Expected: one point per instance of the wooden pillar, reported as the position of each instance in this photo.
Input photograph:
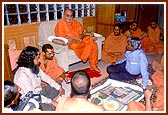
(7, 66)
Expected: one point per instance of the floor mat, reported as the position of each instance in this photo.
(134, 82)
(92, 73)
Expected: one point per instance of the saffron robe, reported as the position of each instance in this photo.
(114, 48)
(85, 49)
(158, 65)
(155, 44)
(52, 69)
(158, 80)
(144, 40)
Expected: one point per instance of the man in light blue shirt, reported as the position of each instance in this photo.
(133, 65)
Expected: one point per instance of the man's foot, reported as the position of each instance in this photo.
(96, 69)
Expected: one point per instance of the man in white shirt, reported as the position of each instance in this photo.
(29, 76)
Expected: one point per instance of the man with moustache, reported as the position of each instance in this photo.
(134, 31)
(133, 65)
(114, 46)
(29, 76)
(49, 65)
(156, 45)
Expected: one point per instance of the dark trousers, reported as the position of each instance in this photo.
(51, 93)
(118, 72)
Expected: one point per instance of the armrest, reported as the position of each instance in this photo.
(51, 38)
(99, 36)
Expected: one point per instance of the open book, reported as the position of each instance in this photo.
(115, 98)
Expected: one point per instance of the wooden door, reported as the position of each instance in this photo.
(146, 13)
(105, 18)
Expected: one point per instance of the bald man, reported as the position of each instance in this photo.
(84, 46)
(80, 84)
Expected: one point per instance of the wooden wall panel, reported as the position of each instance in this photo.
(7, 66)
(105, 18)
(131, 10)
(146, 13)
(23, 35)
(89, 23)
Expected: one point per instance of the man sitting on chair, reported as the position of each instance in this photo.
(84, 46)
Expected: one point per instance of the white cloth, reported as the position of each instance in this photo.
(28, 81)
(97, 35)
(51, 38)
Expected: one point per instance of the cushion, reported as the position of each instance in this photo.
(14, 55)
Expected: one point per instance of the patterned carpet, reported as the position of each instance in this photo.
(134, 82)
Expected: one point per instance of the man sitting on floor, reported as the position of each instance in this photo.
(114, 47)
(156, 46)
(48, 63)
(80, 84)
(134, 31)
(132, 66)
(158, 105)
(29, 76)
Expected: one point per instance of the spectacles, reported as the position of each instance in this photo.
(69, 15)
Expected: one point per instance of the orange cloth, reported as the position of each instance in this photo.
(155, 45)
(158, 65)
(144, 41)
(135, 106)
(52, 69)
(114, 48)
(85, 49)
(158, 80)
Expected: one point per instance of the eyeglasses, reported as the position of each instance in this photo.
(69, 15)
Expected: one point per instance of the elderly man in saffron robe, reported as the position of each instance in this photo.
(114, 46)
(83, 46)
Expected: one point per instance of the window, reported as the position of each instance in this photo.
(16, 14)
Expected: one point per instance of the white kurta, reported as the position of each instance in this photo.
(29, 81)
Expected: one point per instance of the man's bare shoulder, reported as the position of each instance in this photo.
(95, 107)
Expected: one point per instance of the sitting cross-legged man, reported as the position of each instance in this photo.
(48, 63)
(114, 46)
(133, 65)
(135, 31)
(156, 45)
(29, 76)
(78, 102)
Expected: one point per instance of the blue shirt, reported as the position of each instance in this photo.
(137, 63)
